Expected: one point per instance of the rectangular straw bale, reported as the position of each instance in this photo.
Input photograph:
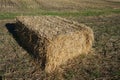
(53, 39)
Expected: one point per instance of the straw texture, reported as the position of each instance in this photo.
(53, 40)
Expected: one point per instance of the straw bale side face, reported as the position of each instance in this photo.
(68, 46)
(32, 42)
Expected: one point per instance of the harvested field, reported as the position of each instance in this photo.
(54, 40)
(104, 63)
(74, 5)
(56, 5)
(103, 16)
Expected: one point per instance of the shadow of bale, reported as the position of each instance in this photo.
(11, 29)
(0, 77)
(24, 44)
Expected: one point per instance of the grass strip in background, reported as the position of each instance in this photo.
(66, 14)
(8, 15)
(83, 13)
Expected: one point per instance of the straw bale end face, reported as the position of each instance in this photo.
(55, 40)
(68, 46)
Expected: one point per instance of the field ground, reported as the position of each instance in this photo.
(56, 5)
(102, 64)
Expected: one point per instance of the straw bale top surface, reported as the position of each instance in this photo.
(49, 26)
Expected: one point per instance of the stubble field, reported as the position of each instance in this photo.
(103, 16)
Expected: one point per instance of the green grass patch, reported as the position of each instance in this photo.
(8, 15)
(80, 13)
(56, 13)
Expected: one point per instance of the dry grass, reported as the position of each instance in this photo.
(16, 63)
(103, 63)
(56, 5)
(75, 4)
